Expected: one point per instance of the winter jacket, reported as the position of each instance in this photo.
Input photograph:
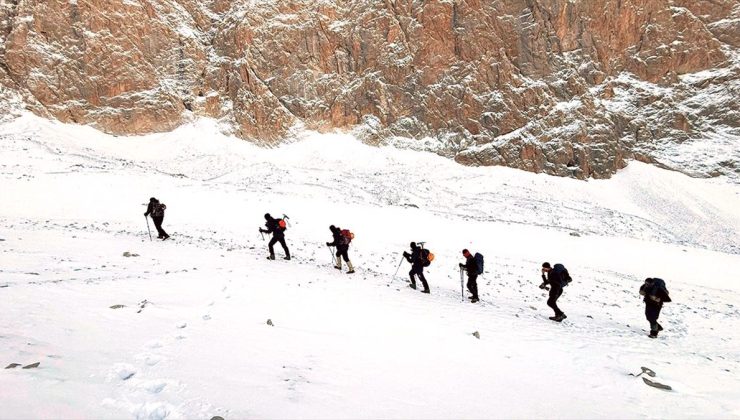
(337, 238)
(471, 266)
(415, 257)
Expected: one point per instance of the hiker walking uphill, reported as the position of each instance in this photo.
(556, 277)
(473, 267)
(156, 209)
(655, 295)
(277, 228)
(419, 258)
(341, 240)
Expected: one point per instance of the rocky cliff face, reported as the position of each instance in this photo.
(572, 88)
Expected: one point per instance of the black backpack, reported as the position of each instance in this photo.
(653, 288)
(563, 274)
(158, 210)
(479, 262)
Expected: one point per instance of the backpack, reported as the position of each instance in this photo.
(426, 257)
(562, 272)
(281, 224)
(479, 262)
(346, 236)
(654, 287)
(158, 210)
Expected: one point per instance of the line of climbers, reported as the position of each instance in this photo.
(554, 277)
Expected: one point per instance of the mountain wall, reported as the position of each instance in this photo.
(570, 88)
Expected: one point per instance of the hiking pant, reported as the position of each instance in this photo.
(473, 284)
(343, 251)
(158, 224)
(652, 312)
(418, 270)
(275, 240)
(555, 292)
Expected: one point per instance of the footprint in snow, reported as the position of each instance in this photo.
(155, 345)
(153, 411)
(151, 360)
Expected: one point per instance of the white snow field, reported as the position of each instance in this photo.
(192, 339)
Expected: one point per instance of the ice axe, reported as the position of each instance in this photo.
(287, 219)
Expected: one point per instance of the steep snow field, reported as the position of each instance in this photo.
(192, 339)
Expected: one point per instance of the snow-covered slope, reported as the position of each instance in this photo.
(192, 339)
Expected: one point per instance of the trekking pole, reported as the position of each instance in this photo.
(394, 274)
(399, 267)
(331, 251)
(263, 236)
(462, 290)
(147, 228)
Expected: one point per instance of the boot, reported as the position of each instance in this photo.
(425, 291)
(653, 334)
(413, 286)
(351, 268)
(561, 317)
(271, 257)
(660, 327)
(473, 300)
(287, 258)
(338, 265)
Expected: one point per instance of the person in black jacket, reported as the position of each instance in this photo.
(417, 266)
(471, 267)
(342, 245)
(655, 294)
(156, 209)
(278, 235)
(556, 277)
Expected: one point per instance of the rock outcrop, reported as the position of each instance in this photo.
(556, 86)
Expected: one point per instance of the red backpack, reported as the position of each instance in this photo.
(346, 236)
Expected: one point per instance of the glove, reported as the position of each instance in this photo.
(542, 286)
(328, 244)
(462, 265)
(146, 214)
(405, 254)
